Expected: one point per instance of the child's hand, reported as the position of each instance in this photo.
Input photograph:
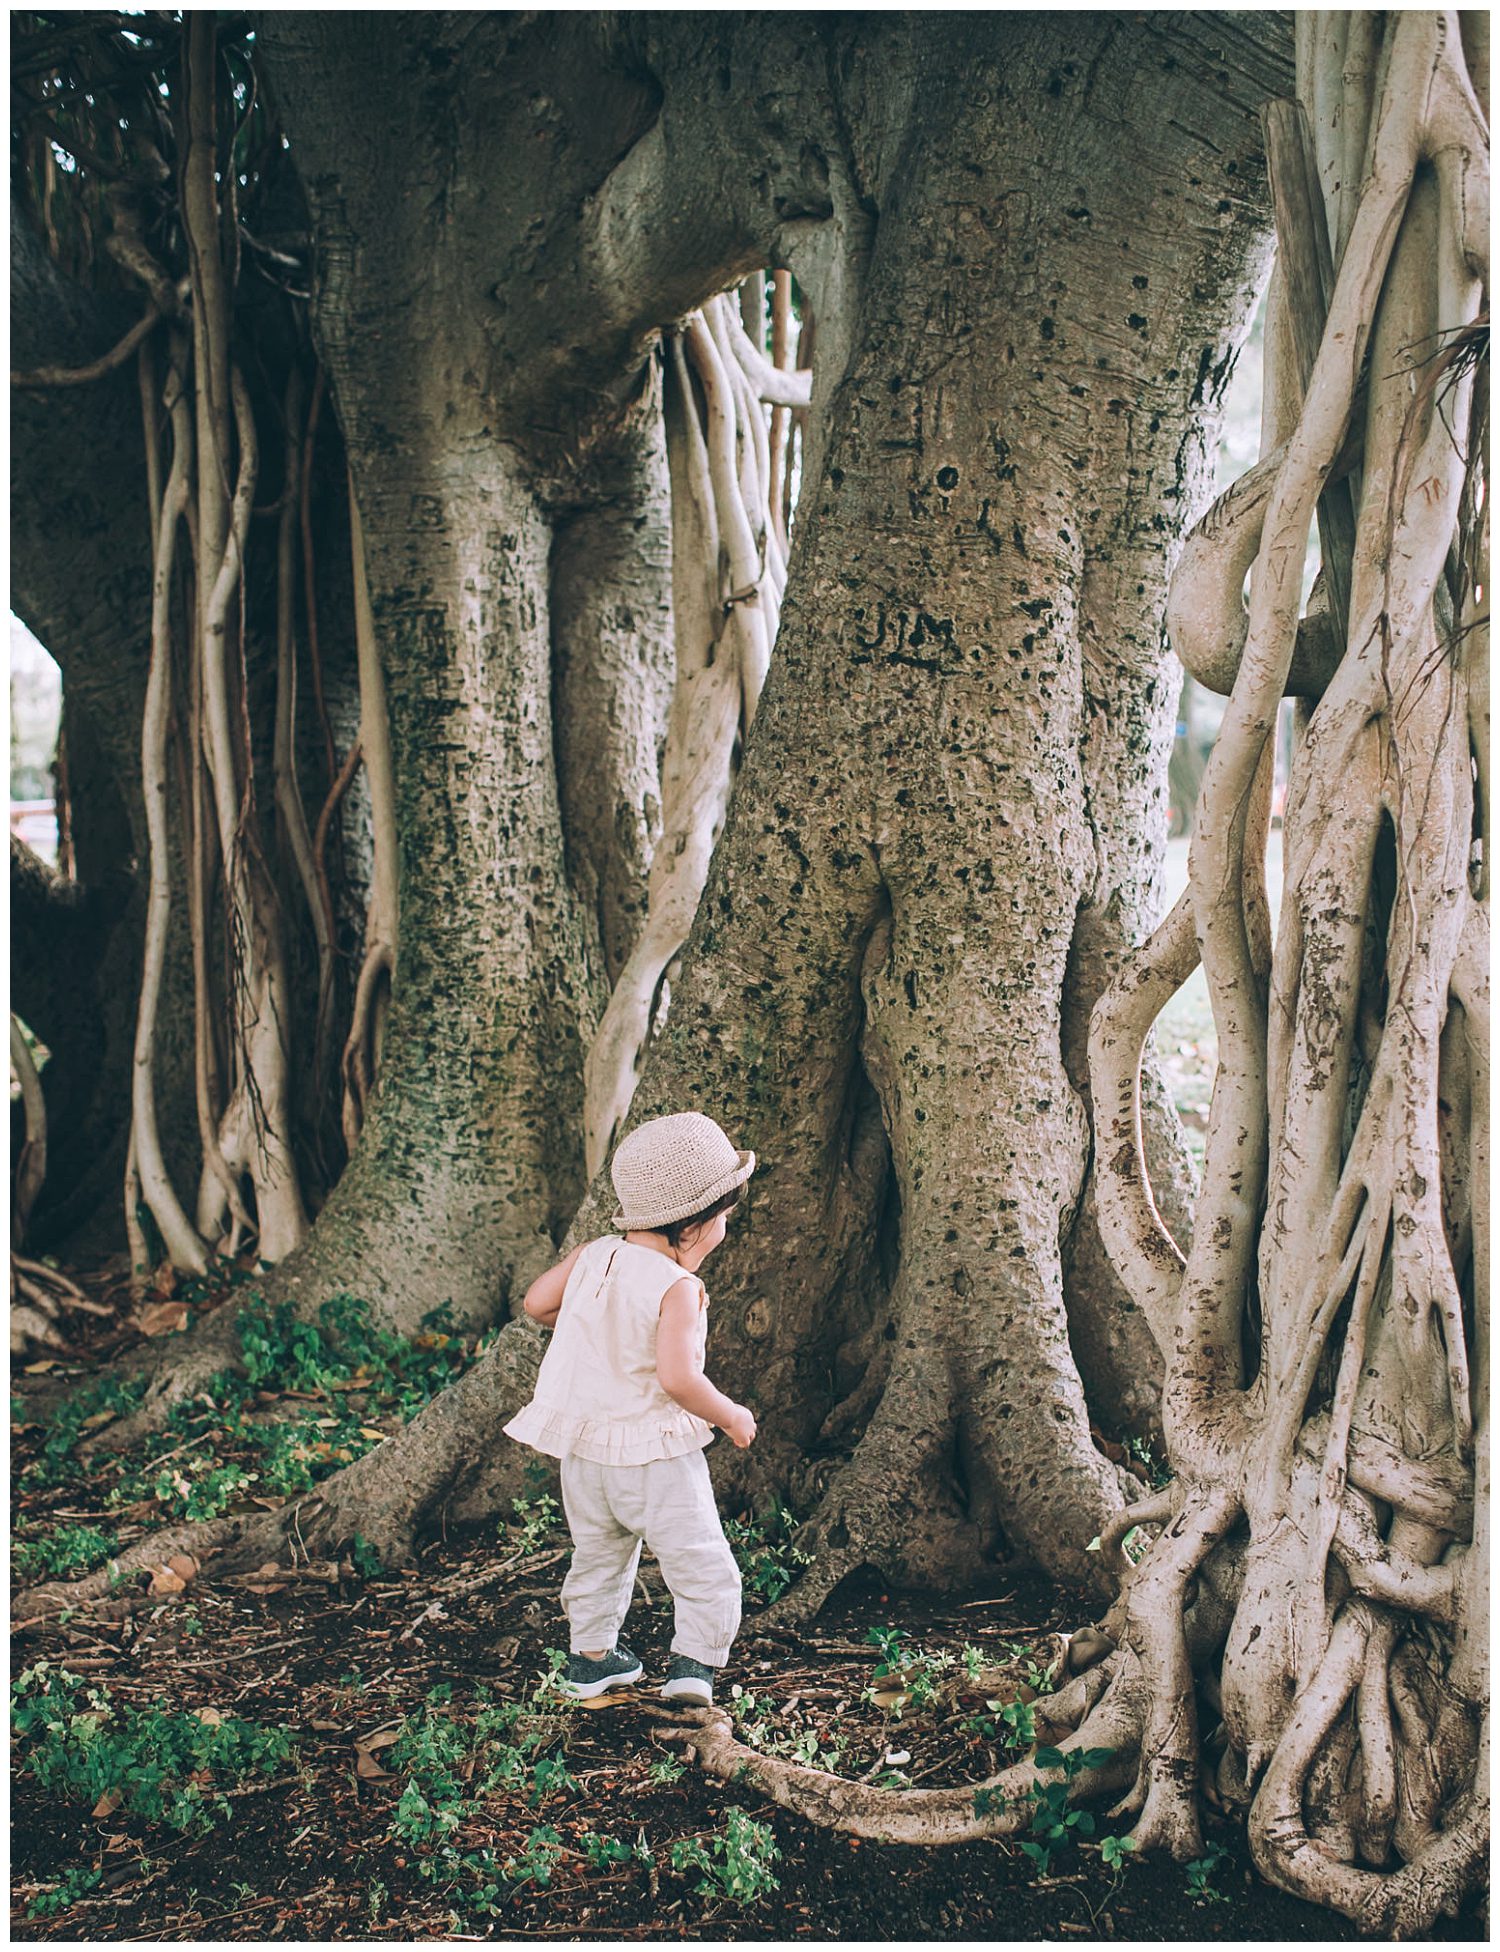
(739, 1427)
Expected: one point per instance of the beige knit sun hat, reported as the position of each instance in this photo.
(671, 1168)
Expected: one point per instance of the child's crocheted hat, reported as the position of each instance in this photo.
(671, 1168)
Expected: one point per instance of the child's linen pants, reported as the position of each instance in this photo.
(669, 1504)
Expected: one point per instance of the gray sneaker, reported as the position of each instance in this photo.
(585, 1679)
(688, 1680)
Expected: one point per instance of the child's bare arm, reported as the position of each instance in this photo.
(544, 1297)
(680, 1373)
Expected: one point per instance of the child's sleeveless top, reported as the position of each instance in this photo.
(596, 1392)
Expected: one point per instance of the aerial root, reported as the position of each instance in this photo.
(1405, 1775)
(1155, 1510)
(39, 1294)
(1166, 1788)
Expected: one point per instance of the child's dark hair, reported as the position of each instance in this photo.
(675, 1229)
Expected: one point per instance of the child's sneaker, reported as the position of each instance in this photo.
(585, 1679)
(688, 1680)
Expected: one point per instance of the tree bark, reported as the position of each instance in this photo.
(1008, 459)
(926, 869)
(612, 655)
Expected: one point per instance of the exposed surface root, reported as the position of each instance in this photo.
(998, 1807)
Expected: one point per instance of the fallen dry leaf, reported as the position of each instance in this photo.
(109, 1802)
(162, 1318)
(375, 1436)
(40, 1368)
(210, 1717)
(184, 1565)
(382, 1738)
(164, 1281)
(366, 1766)
(890, 1698)
(98, 1419)
(164, 1580)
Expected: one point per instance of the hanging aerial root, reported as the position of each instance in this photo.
(726, 566)
(361, 1055)
(31, 1162)
(1135, 1236)
(361, 1061)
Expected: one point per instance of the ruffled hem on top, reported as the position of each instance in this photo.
(557, 1433)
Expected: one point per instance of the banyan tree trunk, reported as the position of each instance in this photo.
(928, 867)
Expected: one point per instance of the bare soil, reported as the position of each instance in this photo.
(335, 1658)
(312, 1856)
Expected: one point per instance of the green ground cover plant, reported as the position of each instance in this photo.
(169, 1767)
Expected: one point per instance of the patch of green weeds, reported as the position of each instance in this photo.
(913, 1677)
(1010, 1724)
(74, 1884)
(74, 1739)
(451, 1764)
(666, 1772)
(215, 1446)
(279, 1351)
(536, 1521)
(54, 1465)
(768, 1554)
(198, 1487)
(537, 1857)
(1116, 1851)
(1202, 1874)
(1035, 1676)
(734, 1865)
(61, 1554)
(605, 1853)
(755, 1723)
(1055, 1827)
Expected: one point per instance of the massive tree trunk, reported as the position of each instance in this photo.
(1037, 349)
(933, 856)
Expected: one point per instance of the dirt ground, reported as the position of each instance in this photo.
(350, 1753)
(312, 1854)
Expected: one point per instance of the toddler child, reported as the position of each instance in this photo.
(622, 1400)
